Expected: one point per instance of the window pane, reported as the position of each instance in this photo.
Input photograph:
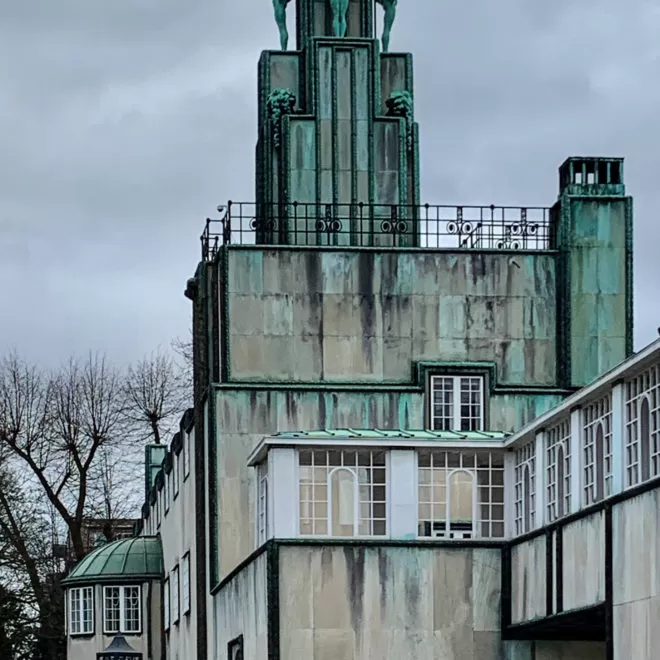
(185, 585)
(111, 609)
(328, 500)
(461, 496)
(442, 403)
(74, 611)
(175, 594)
(88, 610)
(131, 609)
(342, 487)
(166, 603)
(458, 486)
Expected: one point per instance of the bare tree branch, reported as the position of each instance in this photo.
(155, 396)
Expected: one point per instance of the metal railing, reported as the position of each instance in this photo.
(377, 225)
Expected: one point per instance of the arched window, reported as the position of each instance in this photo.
(527, 499)
(343, 502)
(460, 503)
(644, 421)
(599, 467)
(561, 493)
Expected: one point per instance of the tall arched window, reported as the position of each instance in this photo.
(460, 503)
(599, 467)
(527, 498)
(561, 492)
(644, 421)
(343, 502)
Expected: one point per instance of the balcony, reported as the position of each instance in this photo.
(362, 225)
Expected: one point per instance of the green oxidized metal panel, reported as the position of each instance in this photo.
(333, 316)
(597, 272)
(366, 147)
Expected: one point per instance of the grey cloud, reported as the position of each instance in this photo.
(123, 124)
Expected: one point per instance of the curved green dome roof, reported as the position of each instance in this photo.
(135, 559)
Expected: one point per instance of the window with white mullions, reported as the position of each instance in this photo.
(81, 611)
(174, 583)
(121, 610)
(643, 426)
(185, 585)
(186, 456)
(262, 503)
(558, 469)
(597, 450)
(524, 488)
(166, 603)
(457, 403)
(342, 493)
(460, 494)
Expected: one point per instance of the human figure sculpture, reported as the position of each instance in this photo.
(389, 7)
(279, 6)
(339, 11)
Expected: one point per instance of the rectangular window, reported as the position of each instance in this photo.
(460, 494)
(166, 603)
(525, 488)
(597, 450)
(122, 610)
(457, 403)
(81, 611)
(262, 502)
(643, 426)
(342, 493)
(558, 470)
(185, 584)
(166, 490)
(174, 583)
(175, 476)
(186, 456)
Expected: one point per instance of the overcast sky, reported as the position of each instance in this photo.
(124, 123)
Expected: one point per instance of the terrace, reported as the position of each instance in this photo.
(362, 225)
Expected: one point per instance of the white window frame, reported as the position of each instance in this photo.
(434, 496)
(166, 603)
(263, 528)
(186, 456)
(175, 476)
(185, 584)
(525, 488)
(330, 468)
(123, 595)
(457, 381)
(174, 586)
(558, 466)
(597, 473)
(166, 490)
(85, 624)
(642, 454)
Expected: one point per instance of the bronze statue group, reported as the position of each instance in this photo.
(339, 26)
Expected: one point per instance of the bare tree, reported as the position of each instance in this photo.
(30, 572)
(156, 393)
(56, 426)
(184, 350)
(75, 437)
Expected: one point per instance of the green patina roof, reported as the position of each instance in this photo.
(380, 434)
(139, 558)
